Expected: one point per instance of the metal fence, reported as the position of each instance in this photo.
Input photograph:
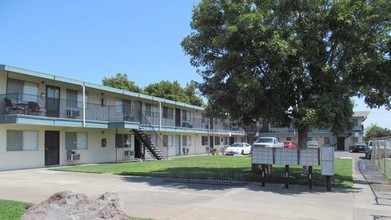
(381, 155)
(206, 177)
(26, 104)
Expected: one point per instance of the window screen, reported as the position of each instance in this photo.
(75, 140)
(204, 140)
(22, 140)
(168, 113)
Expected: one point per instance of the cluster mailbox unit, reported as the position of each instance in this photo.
(261, 157)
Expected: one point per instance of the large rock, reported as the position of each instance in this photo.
(76, 206)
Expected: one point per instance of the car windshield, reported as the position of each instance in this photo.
(236, 145)
(312, 143)
(287, 142)
(264, 140)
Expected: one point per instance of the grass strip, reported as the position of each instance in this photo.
(217, 164)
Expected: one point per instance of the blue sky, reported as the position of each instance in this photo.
(91, 39)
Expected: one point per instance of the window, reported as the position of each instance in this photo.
(123, 140)
(217, 140)
(186, 115)
(204, 119)
(20, 91)
(186, 140)
(22, 140)
(168, 113)
(127, 140)
(71, 98)
(167, 141)
(118, 105)
(355, 122)
(148, 110)
(75, 98)
(127, 107)
(75, 140)
(204, 140)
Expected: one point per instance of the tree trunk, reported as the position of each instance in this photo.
(303, 137)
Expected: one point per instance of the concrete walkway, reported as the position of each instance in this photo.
(158, 199)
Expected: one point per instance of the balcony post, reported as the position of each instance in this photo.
(84, 104)
(160, 115)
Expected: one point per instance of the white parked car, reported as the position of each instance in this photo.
(238, 148)
(268, 142)
(312, 144)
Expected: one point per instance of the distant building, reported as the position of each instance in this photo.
(323, 137)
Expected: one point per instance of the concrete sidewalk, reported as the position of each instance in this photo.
(380, 186)
(158, 199)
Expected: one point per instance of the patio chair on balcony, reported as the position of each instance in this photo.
(35, 109)
(9, 107)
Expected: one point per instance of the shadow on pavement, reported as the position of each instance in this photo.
(252, 186)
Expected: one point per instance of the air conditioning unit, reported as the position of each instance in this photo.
(72, 113)
(73, 157)
(129, 153)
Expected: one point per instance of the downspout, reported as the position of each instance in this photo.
(84, 104)
(160, 115)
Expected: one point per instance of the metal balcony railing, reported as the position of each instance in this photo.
(26, 104)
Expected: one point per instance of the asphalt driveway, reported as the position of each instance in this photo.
(158, 199)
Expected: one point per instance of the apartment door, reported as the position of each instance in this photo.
(177, 117)
(340, 143)
(138, 108)
(52, 148)
(177, 145)
(138, 153)
(52, 101)
(211, 143)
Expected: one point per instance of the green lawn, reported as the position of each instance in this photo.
(11, 209)
(218, 164)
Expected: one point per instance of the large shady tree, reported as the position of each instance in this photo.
(291, 62)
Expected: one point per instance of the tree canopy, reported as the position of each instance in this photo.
(121, 81)
(164, 89)
(291, 62)
(175, 92)
(375, 131)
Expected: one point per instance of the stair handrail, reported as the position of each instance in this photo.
(149, 125)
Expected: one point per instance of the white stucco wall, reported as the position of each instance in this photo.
(10, 160)
(94, 153)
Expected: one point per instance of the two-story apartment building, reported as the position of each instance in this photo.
(50, 120)
(323, 137)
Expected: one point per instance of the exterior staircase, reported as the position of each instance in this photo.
(146, 140)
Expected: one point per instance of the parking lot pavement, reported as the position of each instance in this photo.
(158, 199)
